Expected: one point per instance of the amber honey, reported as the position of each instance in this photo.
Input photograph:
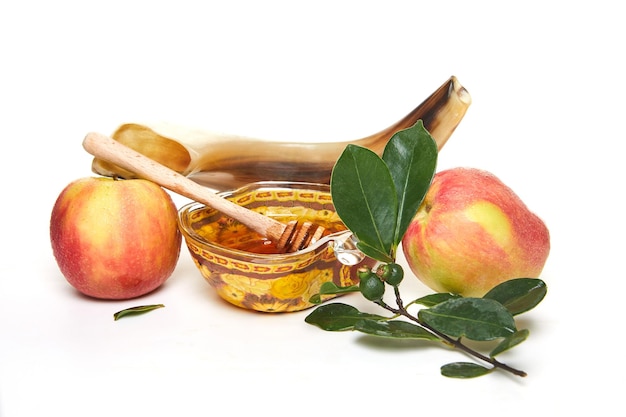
(230, 233)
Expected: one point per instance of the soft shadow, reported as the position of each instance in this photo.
(393, 344)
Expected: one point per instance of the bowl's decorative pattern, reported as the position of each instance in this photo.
(266, 282)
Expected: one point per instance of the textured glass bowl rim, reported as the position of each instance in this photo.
(259, 185)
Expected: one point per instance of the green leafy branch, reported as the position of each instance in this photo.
(377, 198)
(448, 319)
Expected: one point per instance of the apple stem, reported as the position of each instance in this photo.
(456, 343)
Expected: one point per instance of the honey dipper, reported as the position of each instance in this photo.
(289, 237)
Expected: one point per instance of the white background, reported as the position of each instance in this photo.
(546, 79)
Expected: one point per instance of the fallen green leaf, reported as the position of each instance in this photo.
(136, 310)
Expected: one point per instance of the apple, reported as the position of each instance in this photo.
(115, 239)
(473, 232)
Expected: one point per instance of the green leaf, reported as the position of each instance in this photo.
(315, 299)
(338, 317)
(510, 341)
(330, 288)
(374, 253)
(136, 310)
(434, 299)
(365, 199)
(519, 295)
(394, 329)
(464, 370)
(411, 156)
(475, 318)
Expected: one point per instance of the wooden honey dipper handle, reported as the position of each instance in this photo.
(106, 148)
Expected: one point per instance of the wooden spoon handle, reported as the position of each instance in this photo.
(106, 148)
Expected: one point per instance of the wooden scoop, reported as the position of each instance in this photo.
(289, 237)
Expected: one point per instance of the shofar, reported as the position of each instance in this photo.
(222, 161)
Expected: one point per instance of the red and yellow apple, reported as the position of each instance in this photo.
(473, 232)
(115, 239)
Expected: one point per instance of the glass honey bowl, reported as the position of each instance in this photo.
(244, 268)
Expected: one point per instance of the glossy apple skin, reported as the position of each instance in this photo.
(115, 239)
(473, 232)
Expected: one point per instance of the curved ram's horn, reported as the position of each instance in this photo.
(227, 161)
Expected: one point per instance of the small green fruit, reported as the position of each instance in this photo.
(392, 274)
(372, 287)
